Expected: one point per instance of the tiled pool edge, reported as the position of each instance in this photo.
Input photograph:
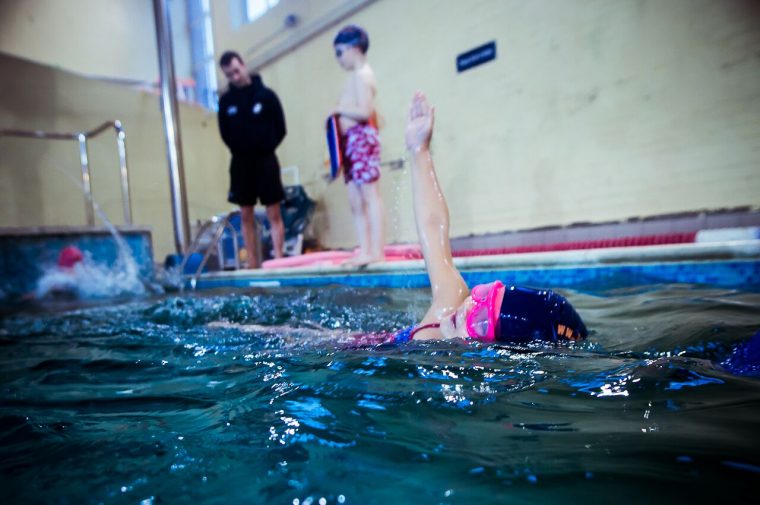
(728, 264)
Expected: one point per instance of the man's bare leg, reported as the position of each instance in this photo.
(376, 220)
(359, 213)
(276, 228)
(248, 224)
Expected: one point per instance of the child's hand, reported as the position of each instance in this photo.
(419, 127)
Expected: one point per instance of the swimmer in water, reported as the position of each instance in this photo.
(61, 281)
(490, 312)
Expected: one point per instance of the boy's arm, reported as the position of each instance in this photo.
(365, 105)
(431, 215)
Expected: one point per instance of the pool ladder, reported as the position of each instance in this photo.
(214, 228)
(82, 137)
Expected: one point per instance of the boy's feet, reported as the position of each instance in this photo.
(248, 265)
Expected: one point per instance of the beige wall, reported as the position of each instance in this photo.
(102, 38)
(252, 39)
(593, 110)
(36, 176)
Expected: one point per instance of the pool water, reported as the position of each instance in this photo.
(149, 401)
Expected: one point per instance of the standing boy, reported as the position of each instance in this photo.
(361, 144)
(252, 125)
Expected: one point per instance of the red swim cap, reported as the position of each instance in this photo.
(70, 256)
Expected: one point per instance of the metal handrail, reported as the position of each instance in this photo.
(82, 138)
(219, 225)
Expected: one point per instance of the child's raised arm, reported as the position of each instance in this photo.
(432, 214)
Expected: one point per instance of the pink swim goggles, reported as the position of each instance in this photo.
(484, 316)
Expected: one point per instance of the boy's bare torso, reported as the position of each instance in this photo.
(358, 88)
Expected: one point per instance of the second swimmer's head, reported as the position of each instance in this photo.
(495, 312)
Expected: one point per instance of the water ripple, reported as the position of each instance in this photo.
(207, 398)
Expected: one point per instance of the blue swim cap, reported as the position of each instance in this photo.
(528, 314)
(353, 36)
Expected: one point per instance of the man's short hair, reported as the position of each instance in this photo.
(353, 36)
(227, 58)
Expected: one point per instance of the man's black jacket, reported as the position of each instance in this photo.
(251, 120)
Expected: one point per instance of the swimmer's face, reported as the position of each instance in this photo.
(346, 55)
(236, 73)
(454, 324)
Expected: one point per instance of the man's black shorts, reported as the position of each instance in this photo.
(255, 179)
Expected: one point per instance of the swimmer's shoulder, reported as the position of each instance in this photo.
(430, 331)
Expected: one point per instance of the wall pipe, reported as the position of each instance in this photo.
(169, 111)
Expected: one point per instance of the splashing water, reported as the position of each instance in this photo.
(125, 275)
(154, 401)
(90, 279)
(397, 214)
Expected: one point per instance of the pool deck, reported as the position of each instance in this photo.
(724, 264)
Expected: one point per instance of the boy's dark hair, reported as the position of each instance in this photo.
(227, 58)
(353, 36)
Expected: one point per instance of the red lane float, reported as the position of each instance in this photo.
(632, 241)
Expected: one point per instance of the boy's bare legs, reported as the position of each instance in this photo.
(369, 219)
(276, 228)
(376, 220)
(361, 223)
(248, 224)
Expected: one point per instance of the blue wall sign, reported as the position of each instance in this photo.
(477, 56)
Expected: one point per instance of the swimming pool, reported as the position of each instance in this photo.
(142, 401)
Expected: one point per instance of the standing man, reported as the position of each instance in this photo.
(252, 125)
